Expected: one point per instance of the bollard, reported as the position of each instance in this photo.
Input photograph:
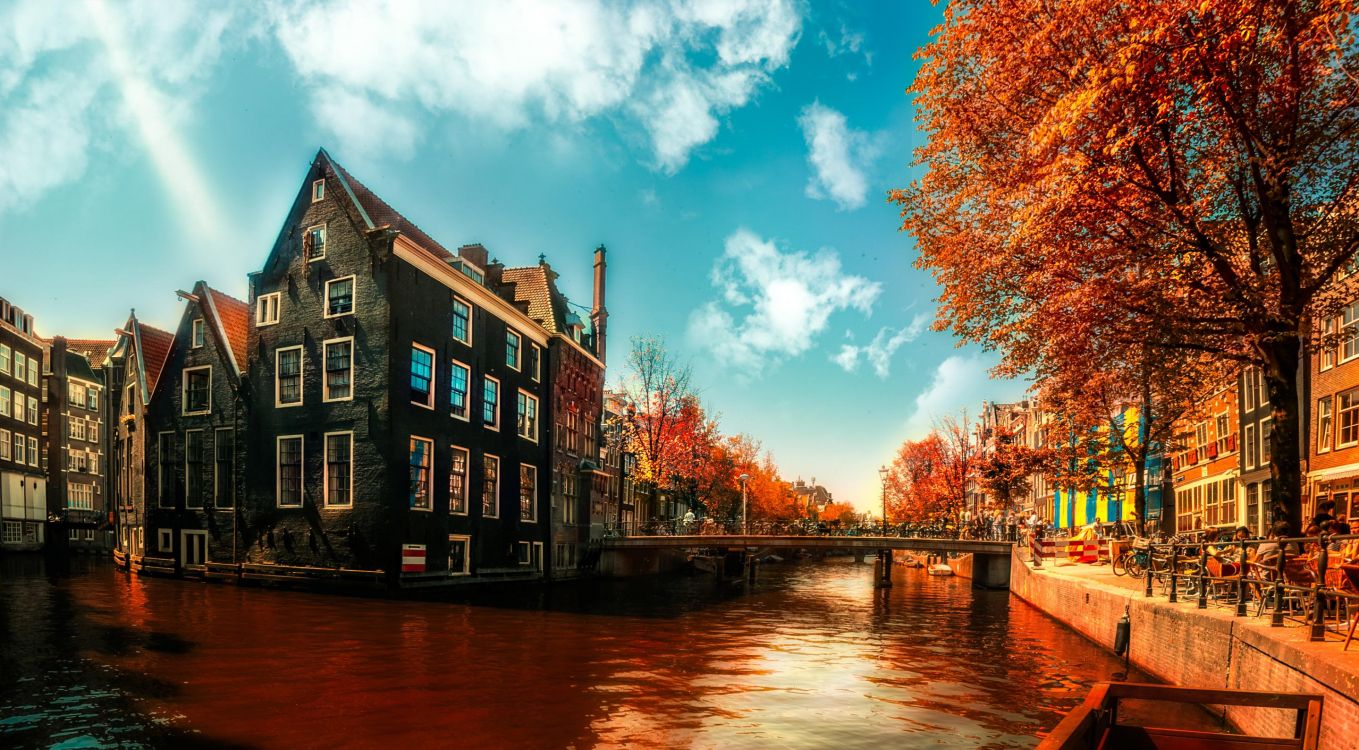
(1276, 619)
(1241, 582)
(1150, 556)
(1174, 579)
(1203, 572)
(1318, 596)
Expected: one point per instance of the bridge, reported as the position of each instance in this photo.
(991, 560)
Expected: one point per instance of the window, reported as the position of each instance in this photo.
(288, 376)
(75, 394)
(165, 540)
(197, 390)
(4, 401)
(490, 401)
(1266, 427)
(19, 404)
(1327, 344)
(490, 487)
(289, 490)
(422, 376)
(339, 469)
(165, 450)
(1223, 425)
(224, 468)
(19, 449)
(457, 480)
(459, 375)
(32, 410)
(92, 399)
(339, 382)
(20, 369)
(193, 469)
(512, 343)
(462, 321)
(528, 493)
(1347, 404)
(92, 432)
(318, 190)
(1250, 456)
(1325, 426)
(266, 309)
(1248, 392)
(1349, 332)
(4, 445)
(196, 333)
(80, 496)
(421, 484)
(537, 355)
(314, 243)
(457, 555)
(5, 352)
(528, 416)
(339, 297)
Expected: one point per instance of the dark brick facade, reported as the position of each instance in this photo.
(23, 483)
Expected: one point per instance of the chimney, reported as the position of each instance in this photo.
(475, 254)
(599, 317)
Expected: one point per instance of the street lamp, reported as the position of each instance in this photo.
(744, 478)
(882, 473)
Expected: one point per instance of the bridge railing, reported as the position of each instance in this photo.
(764, 527)
(1308, 581)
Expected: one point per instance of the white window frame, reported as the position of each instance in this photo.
(6, 354)
(20, 366)
(466, 554)
(33, 454)
(1326, 426)
(433, 397)
(4, 445)
(165, 540)
(308, 257)
(353, 296)
(318, 190)
(184, 391)
(466, 415)
(301, 474)
(1339, 419)
(1248, 393)
(301, 377)
(429, 477)
(499, 402)
(1264, 440)
(325, 369)
(518, 363)
(6, 396)
(537, 415)
(197, 334)
(325, 469)
(460, 301)
(498, 482)
(216, 438)
(267, 309)
(466, 480)
(537, 353)
(534, 504)
(187, 499)
(1250, 453)
(32, 410)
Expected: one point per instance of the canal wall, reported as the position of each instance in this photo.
(1182, 645)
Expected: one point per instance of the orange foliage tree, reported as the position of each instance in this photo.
(1183, 167)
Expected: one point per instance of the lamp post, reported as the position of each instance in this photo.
(882, 474)
(744, 478)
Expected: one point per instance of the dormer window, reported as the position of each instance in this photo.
(314, 243)
(318, 191)
(197, 334)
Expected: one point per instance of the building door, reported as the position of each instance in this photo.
(193, 548)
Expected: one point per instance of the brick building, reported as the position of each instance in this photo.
(1333, 445)
(136, 364)
(23, 480)
(77, 439)
(1207, 467)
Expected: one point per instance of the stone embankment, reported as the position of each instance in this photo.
(1182, 645)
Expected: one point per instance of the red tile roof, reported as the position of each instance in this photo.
(234, 317)
(382, 214)
(545, 304)
(95, 350)
(155, 351)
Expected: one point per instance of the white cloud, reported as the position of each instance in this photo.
(837, 155)
(880, 350)
(672, 68)
(962, 381)
(774, 303)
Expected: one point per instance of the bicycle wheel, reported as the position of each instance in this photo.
(1135, 568)
(1120, 564)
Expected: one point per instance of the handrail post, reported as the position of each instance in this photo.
(1241, 582)
(1276, 619)
(1318, 597)
(1203, 573)
(1151, 555)
(1174, 566)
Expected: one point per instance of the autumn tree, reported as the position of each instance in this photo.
(1004, 472)
(958, 460)
(1190, 164)
(914, 491)
(657, 390)
(842, 513)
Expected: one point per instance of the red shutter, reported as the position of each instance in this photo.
(1231, 442)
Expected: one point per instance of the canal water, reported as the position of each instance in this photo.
(810, 656)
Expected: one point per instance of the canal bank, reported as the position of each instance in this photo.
(1182, 645)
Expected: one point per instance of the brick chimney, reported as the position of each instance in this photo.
(599, 317)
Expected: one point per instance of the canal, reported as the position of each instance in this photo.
(811, 656)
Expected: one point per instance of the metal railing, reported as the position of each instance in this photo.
(1299, 579)
(764, 527)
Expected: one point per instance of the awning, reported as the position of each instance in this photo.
(1334, 473)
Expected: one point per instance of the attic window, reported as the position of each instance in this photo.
(197, 335)
(314, 243)
(318, 190)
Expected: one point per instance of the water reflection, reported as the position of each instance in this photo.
(812, 656)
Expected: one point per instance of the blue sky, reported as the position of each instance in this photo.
(733, 156)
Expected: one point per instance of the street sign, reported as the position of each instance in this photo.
(412, 558)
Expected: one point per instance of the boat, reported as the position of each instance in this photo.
(910, 561)
(940, 569)
(1094, 724)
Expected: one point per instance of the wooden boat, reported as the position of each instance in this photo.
(940, 569)
(910, 561)
(1093, 725)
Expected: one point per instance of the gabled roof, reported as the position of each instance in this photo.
(78, 366)
(95, 350)
(154, 347)
(375, 210)
(533, 285)
(232, 320)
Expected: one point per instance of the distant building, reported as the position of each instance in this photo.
(23, 479)
(811, 498)
(137, 362)
(1207, 468)
(77, 440)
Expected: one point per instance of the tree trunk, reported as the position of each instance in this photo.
(1282, 355)
(1140, 455)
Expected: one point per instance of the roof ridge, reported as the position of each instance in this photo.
(378, 212)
